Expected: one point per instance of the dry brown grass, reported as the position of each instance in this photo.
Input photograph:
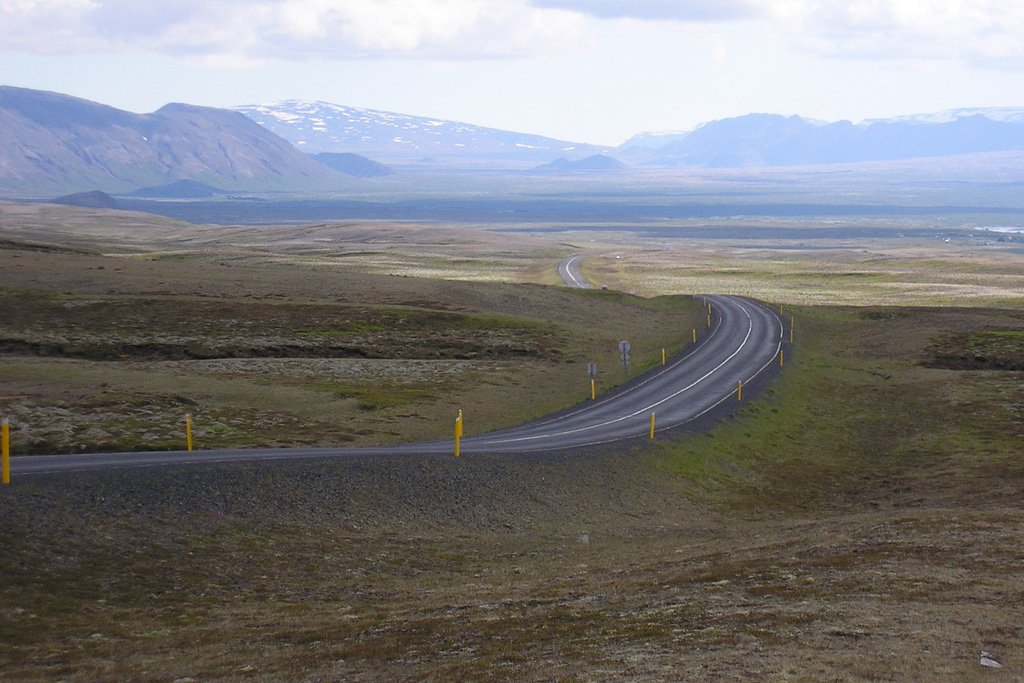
(876, 541)
(860, 521)
(111, 353)
(893, 272)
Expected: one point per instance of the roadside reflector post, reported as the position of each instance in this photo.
(592, 373)
(792, 322)
(739, 391)
(709, 320)
(695, 335)
(624, 348)
(652, 426)
(188, 431)
(593, 390)
(458, 434)
(6, 448)
(782, 356)
(663, 356)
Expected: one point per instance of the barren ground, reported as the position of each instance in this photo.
(862, 520)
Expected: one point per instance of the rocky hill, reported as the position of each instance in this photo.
(55, 143)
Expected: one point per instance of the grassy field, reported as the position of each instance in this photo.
(111, 354)
(861, 520)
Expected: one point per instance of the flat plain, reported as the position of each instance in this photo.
(860, 520)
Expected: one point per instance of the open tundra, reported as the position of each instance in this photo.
(861, 520)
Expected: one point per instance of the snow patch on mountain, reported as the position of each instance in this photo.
(1002, 114)
(401, 138)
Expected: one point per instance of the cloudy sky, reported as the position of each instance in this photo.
(594, 71)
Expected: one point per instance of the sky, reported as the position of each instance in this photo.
(597, 71)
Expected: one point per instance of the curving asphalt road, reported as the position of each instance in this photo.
(569, 270)
(743, 343)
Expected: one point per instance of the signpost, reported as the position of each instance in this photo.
(624, 348)
(592, 371)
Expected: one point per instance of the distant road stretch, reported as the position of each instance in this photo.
(569, 269)
(743, 343)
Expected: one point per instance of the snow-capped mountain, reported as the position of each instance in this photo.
(316, 127)
(1003, 114)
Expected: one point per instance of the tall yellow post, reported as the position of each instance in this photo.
(663, 356)
(652, 426)
(6, 448)
(739, 391)
(792, 321)
(458, 434)
(709, 321)
(782, 356)
(593, 390)
(695, 335)
(188, 431)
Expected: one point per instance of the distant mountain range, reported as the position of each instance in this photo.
(754, 140)
(61, 145)
(759, 140)
(400, 139)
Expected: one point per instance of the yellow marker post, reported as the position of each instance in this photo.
(652, 426)
(6, 448)
(593, 390)
(709, 321)
(695, 335)
(663, 356)
(188, 431)
(782, 356)
(739, 391)
(792, 321)
(458, 434)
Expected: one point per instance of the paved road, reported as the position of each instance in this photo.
(569, 269)
(742, 344)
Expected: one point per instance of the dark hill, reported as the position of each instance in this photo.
(56, 142)
(353, 164)
(89, 200)
(598, 163)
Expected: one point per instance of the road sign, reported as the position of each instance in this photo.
(624, 346)
(592, 370)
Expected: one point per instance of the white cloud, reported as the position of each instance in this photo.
(292, 28)
(680, 10)
(988, 32)
(906, 29)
